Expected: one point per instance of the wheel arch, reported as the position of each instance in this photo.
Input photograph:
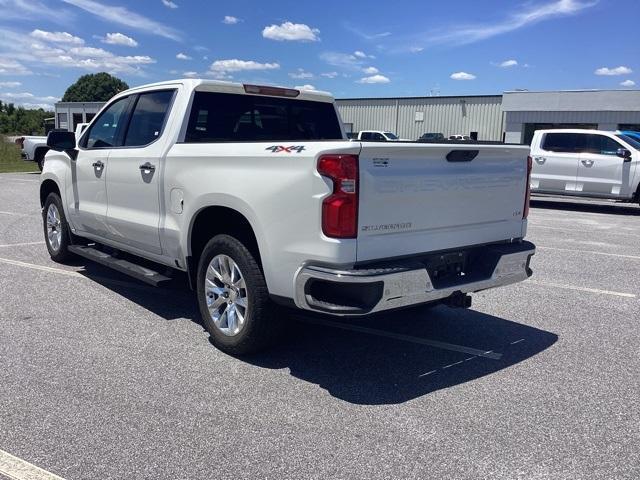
(40, 152)
(213, 220)
(46, 187)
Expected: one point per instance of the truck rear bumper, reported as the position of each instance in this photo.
(420, 279)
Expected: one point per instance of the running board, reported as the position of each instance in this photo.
(136, 271)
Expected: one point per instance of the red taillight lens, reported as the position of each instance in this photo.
(340, 209)
(527, 196)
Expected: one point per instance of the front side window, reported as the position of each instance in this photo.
(148, 118)
(225, 117)
(601, 145)
(105, 130)
(391, 136)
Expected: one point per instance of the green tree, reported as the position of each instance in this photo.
(95, 87)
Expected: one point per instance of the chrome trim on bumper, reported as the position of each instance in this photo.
(404, 287)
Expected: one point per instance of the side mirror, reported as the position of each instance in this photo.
(624, 153)
(62, 141)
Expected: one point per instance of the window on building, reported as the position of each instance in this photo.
(62, 121)
(635, 127)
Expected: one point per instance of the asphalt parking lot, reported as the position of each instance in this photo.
(103, 377)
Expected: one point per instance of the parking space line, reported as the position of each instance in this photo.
(21, 244)
(573, 230)
(406, 338)
(33, 266)
(14, 214)
(17, 469)
(593, 252)
(583, 289)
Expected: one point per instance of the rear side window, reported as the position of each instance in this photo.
(601, 145)
(224, 117)
(148, 118)
(564, 142)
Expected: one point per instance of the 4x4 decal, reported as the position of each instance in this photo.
(283, 149)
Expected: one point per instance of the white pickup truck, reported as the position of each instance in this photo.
(34, 148)
(257, 195)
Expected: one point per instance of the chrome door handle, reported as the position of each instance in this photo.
(587, 163)
(540, 160)
(97, 165)
(147, 167)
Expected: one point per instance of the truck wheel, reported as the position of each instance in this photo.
(56, 229)
(233, 298)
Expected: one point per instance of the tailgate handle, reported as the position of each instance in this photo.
(462, 155)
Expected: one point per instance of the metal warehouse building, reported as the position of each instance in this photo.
(512, 117)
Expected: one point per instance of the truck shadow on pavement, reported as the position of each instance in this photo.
(367, 368)
(627, 209)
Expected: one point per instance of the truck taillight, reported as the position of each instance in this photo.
(340, 209)
(527, 195)
(20, 142)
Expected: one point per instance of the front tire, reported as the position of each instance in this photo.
(56, 229)
(233, 298)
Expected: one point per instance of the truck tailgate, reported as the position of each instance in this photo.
(413, 199)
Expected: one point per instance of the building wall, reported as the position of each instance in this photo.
(84, 111)
(515, 121)
(447, 115)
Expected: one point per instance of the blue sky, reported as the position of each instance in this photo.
(373, 49)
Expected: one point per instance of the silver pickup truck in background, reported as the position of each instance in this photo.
(258, 196)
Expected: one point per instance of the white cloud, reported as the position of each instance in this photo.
(230, 20)
(291, 32)
(57, 37)
(628, 83)
(416, 49)
(305, 87)
(9, 66)
(190, 74)
(370, 70)
(343, 60)
(124, 16)
(366, 36)
(119, 39)
(29, 100)
(22, 49)
(221, 68)
(508, 63)
(31, 9)
(374, 79)
(169, 4)
(329, 74)
(523, 17)
(183, 56)
(621, 70)
(360, 54)
(463, 76)
(301, 74)
(10, 84)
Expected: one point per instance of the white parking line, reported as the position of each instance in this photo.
(406, 338)
(593, 252)
(17, 469)
(573, 230)
(583, 289)
(33, 266)
(14, 214)
(21, 244)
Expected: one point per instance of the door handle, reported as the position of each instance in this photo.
(587, 163)
(147, 167)
(540, 160)
(97, 165)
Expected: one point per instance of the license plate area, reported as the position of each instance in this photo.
(448, 269)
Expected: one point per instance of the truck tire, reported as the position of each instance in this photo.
(39, 157)
(56, 229)
(234, 300)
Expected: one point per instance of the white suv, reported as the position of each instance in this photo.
(590, 163)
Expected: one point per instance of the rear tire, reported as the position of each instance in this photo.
(234, 300)
(56, 229)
